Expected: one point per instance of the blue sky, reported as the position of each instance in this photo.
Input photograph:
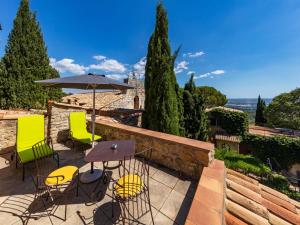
(243, 48)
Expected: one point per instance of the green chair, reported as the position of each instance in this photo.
(78, 131)
(30, 130)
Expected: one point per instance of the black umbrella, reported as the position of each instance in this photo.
(87, 82)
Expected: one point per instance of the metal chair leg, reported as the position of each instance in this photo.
(23, 172)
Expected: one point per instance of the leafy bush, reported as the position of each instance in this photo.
(235, 123)
(245, 163)
(284, 149)
(250, 164)
(284, 110)
(212, 96)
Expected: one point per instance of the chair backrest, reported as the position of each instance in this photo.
(135, 175)
(138, 165)
(30, 130)
(44, 164)
(77, 122)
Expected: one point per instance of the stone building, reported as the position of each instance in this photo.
(108, 100)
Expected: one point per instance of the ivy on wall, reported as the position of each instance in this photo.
(285, 150)
(233, 122)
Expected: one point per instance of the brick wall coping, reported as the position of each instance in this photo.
(64, 105)
(201, 145)
(208, 203)
(12, 114)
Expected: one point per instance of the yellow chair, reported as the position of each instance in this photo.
(78, 131)
(49, 180)
(31, 130)
(133, 186)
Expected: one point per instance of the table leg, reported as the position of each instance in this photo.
(91, 175)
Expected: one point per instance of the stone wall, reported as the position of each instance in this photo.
(7, 134)
(58, 128)
(182, 154)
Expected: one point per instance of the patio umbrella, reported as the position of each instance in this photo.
(87, 82)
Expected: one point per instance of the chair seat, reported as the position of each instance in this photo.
(67, 172)
(85, 137)
(129, 186)
(26, 155)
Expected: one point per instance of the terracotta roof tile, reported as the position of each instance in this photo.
(208, 204)
(253, 203)
(200, 214)
(232, 220)
(242, 176)
(212, 199)
(214, 173)
(279, 201)
(282, 212)
(245, 183)
(245, 214)
(247, 203)
(244, 191)
(274, 192)
(275, 220)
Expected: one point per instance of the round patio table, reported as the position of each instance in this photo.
(104, 152)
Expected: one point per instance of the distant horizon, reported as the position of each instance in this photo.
(242, 48)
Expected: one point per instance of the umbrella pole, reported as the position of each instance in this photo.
(93, 126)
(92, 175)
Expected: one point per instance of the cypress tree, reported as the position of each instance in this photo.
(260, 110)
(161, 103)
(195, 118)
(25, 61)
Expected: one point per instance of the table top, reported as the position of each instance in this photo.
(103, 151)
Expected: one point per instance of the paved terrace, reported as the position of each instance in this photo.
(171, 196)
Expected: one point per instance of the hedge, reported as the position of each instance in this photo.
(233, 122)
(285, 150)
(245, 163)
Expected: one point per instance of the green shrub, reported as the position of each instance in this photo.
(250, 164)
(284, 149)
(233, 122)
(280, 183)
(245, 163)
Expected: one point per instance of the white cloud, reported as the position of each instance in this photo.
(181, 66)
(210, 74)
(109, 65)
(194, 55)
(139, 67)
(117, 76)
(218, 72)
(99, 57)
(68, 65)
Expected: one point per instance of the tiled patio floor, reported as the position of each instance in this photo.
(171, 197)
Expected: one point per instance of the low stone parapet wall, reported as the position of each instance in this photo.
(182, 154)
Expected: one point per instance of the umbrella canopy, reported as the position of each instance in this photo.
(88, 81)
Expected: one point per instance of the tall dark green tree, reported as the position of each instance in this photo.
(195, 118)
(161, 103)
(25, 61)
(260, 118)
